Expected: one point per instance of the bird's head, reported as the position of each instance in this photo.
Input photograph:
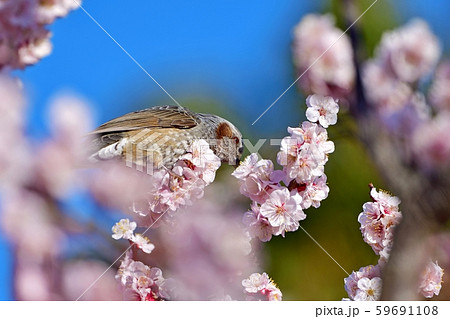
(228, 145)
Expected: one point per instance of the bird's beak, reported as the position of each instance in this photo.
(238, 162)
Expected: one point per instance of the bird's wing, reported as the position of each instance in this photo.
(167, 116)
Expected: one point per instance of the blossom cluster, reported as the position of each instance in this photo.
(261, 287)
(168, 191)
(364, 284)
(403, 57)
(403, 63)
(36, 180)
(431, 282)
(280, 196)
(141, 282)
(24, 37)
(378, 220)
(206, 249)
(185, 182)
(439, 95)
(394, 81)
(125, 229)
(323, 57)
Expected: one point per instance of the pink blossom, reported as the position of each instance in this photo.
(439, 93)
(387, 201)
(31, 283)
(176, 191)
(399, 107)
(24, 39)
(264, 170)
(80, 274)
(371, 226)
(145, 215)
(312, 192)
(261, 287)
(304, 153)
(34, 51)
(207, 237)
(141, 282)
(290, 146)
(55, 168)
(322, 47)
(411, 51)
(15, 150)
(431, 280)
(206, 163)
(259, 181)
(280, 195)
(378, 221)
(123, 229)
(405, 118)
(58, 160)
(27, 222)
(308, 164)
(351, 282)
(369, 289)
(322, 109)
(256, 282)
(246, 167)
(282, 211)
(382, 88)
(254, 188)
(143, 243)
(106, 185)
(70, 120)
(377, 227)
(162, 192)
(196, 176)
(49, 10)
(317, 137)
(430, 142)
(257, 225)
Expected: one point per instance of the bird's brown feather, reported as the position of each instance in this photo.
(156, 117)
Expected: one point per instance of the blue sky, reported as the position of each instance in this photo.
(233, 51)
(236, 52)
(224, 50)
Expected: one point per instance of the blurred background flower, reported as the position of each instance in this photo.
(231, 58)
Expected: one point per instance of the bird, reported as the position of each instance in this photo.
(158, 136)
